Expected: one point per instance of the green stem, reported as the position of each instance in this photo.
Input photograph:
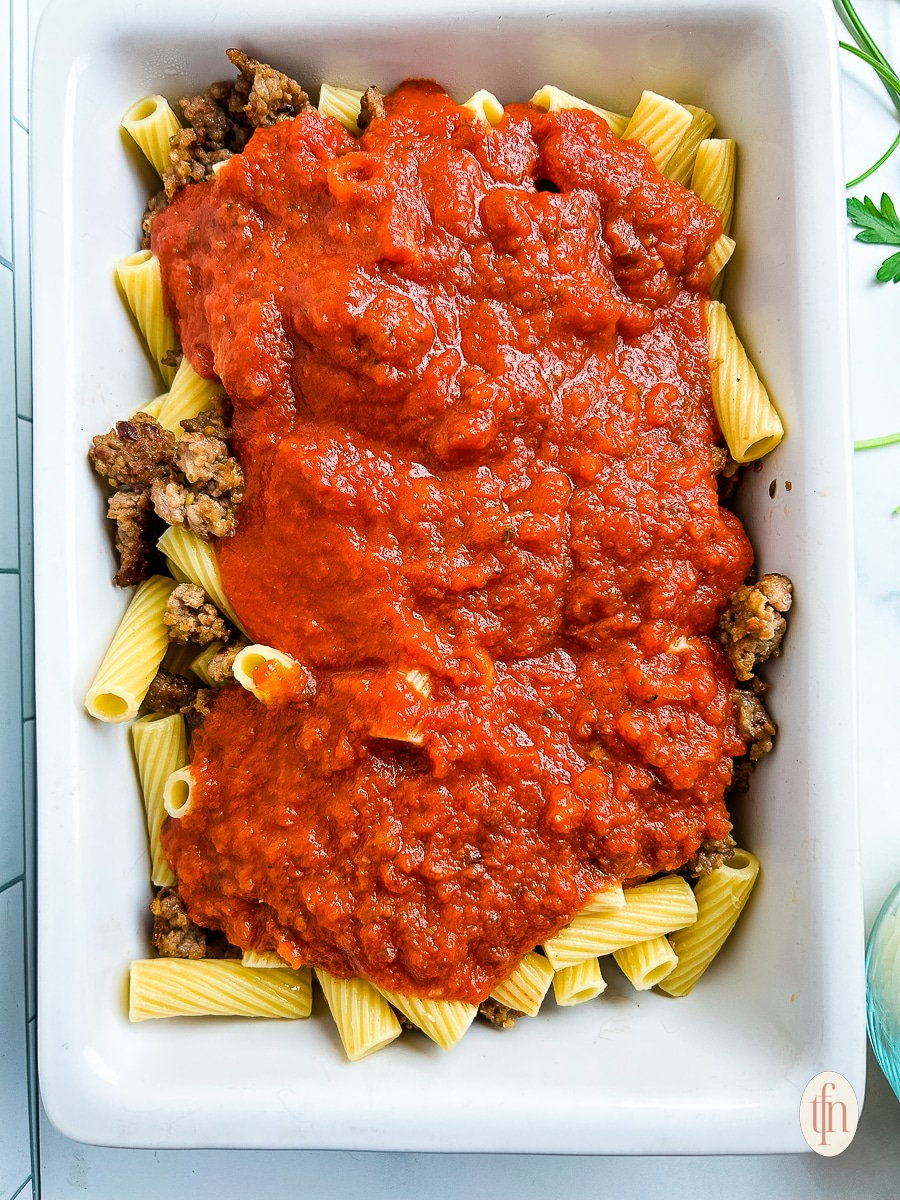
(862, 36)
(874, 167)
(885, 70)
(888, 439)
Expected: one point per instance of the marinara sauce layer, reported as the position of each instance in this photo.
(472, 404)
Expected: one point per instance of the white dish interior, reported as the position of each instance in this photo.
(721, 1071)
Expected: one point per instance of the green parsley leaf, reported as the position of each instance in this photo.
(877, 226)
(889, 271)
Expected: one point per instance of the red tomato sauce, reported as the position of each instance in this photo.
(472, 404)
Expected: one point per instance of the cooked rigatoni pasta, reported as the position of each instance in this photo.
(578, 984)
(134, 654)
(646, 963)
(179, 657)
(141, 283)
(553, 99)
(365, 1021)
(160, 749)
(152, 408)
(485, 106)
(151, 121)
(527, 986)
(720, 253)
(181, 987)
(713, 176)
(200, 664)
(249, 660)
(189, 395)
(192, 560)
(650, 908)
(342, 103)
(747, 417)
(178, 793)
(262, 959)
(444, 1021)
(681, 165)
(721, 896)
(659, 124)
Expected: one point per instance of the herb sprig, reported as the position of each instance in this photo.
(879, 227)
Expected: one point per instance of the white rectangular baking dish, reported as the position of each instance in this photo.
(722, 1071)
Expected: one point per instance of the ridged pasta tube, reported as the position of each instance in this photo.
(526, 988)
(650, 909)
(134, 654)
(713, 176)
(259, 959)
(719, 253)
(444, 1021)
(646, 963)
(365, 1021)
(152, 408)
(181, 987)
(248, 661)
(178, 793)
(342, 103)
(681, 165)
(747, 417)
(485, 106)
(578, 984)
(554, 99)
(193, 560)
(189, 395)
(160, 748)
(659, 124)
(200, 664)
(141, 282)
(151, 121)
(721, 896)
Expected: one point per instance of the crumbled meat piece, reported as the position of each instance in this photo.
(712, 854)
(191, 617)
(207, 119)
(202, 456)
(201, 514)
(755, 725)
(728, 474)
(169, 693)
(200, 709)
(136, 534)
(752, 628)
(174, 934)
(172, 358)
(371, 107)
(497, 1014)
(740, 778)
(154, 205)
(220, 666)
(190, 161)
(135, 451)
(269, 95)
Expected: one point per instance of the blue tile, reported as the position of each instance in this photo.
(9, 536)
(34, 1102)
(21, 60)
(22, 283)
(26, 1191)
(5, 122)
(15, 1137)
(28, 752)
(26, 567)
(11, 783)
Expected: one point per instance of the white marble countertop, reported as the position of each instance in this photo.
(871, 1167)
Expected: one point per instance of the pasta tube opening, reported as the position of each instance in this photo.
(178, 793)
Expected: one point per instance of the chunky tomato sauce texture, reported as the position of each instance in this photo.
(472, 403)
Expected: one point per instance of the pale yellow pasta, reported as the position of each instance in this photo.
(553, 99)
(713, 176)
(151, 121)
(419, 681)
(659, 124)
(193, 560)
(248, 661)
(182, 987)
(747, 417)
(485, 106)
(646, 963)
(160, 749)
(365, 1021)
(721, 896)
(152, 408)
(134, 654)
(444, 1021)
(527, 986)
(650, 909)
(189, 395)
(141, 282)
(578, 984)
(178, 793)
(611, 897)
(342, 103)
(719, 253)
(200, 664)
(179, 657)
(259, 959)
(681, 165)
